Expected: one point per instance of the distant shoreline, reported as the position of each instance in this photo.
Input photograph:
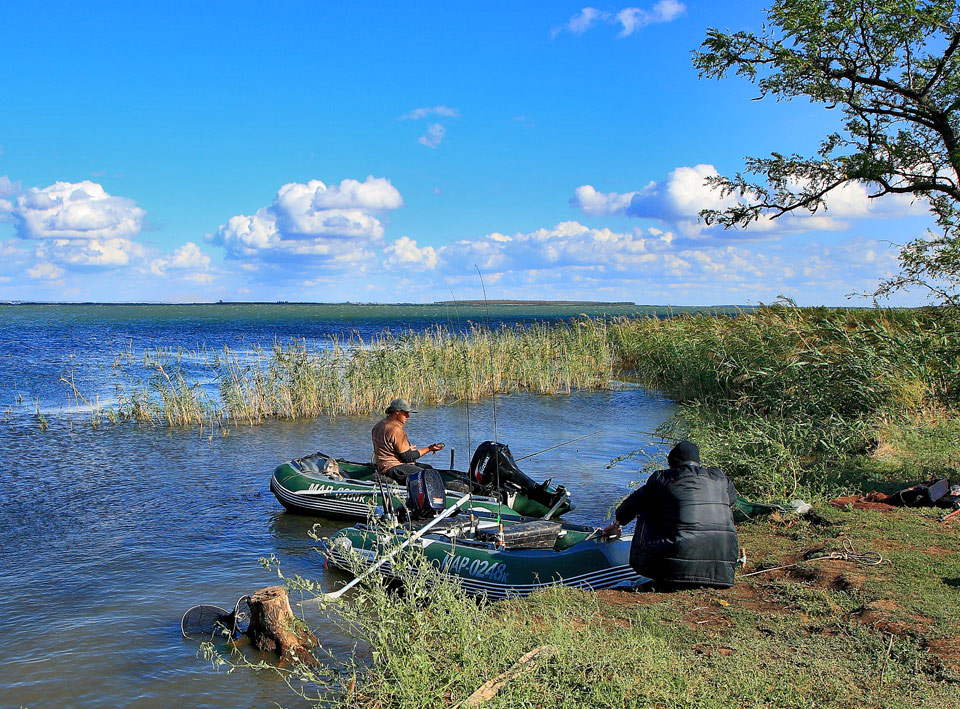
(439, 303)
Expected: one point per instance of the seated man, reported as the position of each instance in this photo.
(392, 451)
(685, 536)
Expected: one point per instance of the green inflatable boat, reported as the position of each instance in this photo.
(514, 559)
(321, 485)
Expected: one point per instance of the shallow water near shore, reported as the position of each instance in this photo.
(109, 535)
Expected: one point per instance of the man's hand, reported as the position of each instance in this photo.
(434, 447)
(612, 530)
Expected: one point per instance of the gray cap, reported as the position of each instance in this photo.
(400, 405)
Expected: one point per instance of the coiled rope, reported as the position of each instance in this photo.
(848, 553)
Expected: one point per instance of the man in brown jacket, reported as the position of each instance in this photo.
(392, 451)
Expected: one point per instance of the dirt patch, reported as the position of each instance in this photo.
(860, 503)
(947, 652)
(707, 650)
(877, 614)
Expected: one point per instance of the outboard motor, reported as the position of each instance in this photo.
(425, 494)
(494, 469)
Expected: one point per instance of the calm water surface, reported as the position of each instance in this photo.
(109, 535)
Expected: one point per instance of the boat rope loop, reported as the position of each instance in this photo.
(847, 553)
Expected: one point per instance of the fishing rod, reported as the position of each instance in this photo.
(466, 362)
(572, 440)
(659, 435)
(493, 396)
(493, 383)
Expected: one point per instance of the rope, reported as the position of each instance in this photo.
(848, 553)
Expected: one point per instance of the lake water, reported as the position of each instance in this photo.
(109, 535)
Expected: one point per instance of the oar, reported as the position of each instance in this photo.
(426, 528)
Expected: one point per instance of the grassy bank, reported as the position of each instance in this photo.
(817, 633)
(806, 401)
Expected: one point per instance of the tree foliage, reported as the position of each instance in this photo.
(892, 68)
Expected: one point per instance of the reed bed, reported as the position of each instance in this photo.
(781, 397)
(296, 380)
(784, 397)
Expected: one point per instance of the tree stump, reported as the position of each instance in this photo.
(274, 627)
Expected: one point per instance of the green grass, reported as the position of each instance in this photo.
(815, 635)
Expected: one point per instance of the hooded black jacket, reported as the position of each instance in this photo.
(685, 534)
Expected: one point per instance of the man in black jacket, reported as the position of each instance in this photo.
(685, 536)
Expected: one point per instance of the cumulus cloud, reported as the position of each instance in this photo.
(630, 19)
(419, 113)
(679, 199)
(434, 135)
(565, 244)
(83, 210)
(45, 271)
(8, 188)
(330, 226)
(187, 262)
(97, 253)
(405, 252)
(571, 260)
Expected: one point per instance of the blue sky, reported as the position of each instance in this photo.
(382, 152)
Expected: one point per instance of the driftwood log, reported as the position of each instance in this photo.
(274, 627)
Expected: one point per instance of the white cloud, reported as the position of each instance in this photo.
(187, 261)
(434, 135)
(372, 193)
(97, 253)
(82, 210)
(8, 188)
(630, 19)
(566, 244)
(584, 20)
(678, 200)
(419, 113)
(573, 261)
(598, 204)
(435, 131)
(633, 18)
(329, 226)
(405, 252)
(45, 271)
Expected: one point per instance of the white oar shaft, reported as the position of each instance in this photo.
(412, 538)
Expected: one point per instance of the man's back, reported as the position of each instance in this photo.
(389, 440)
(685, 533)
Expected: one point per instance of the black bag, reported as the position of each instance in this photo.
(925, 495)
